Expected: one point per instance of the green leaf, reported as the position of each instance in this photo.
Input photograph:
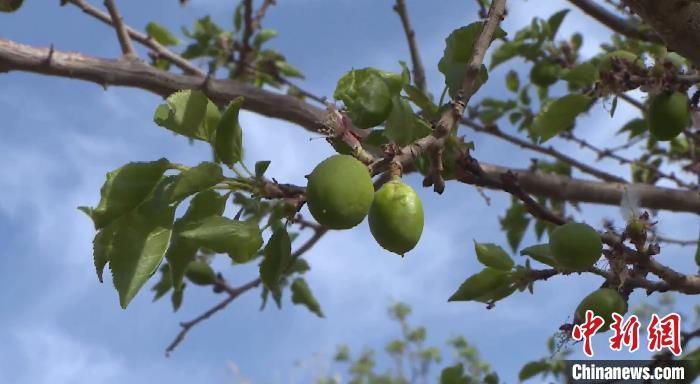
(403, 126)
(161, 34)
(532, 369)
(300, 266)
(301, 294)
(140, 241)
(582, 75)
(196, 179)
(229, 136)
(240, 239)
(261, 168)
(176, 298)
(453, 375)
(515, 223)
(366, 95)
(559, 116)
(288, 70)
(125, 189)
(264, 36)
(541, 253)
(492, 255)
(102, 248)
(182, 251)
(164, 284)
(459, 47)
(635, 127)
(512, 81)
(555, 21)
(505, 52)
(277, 255)
(189, 113)
(480, 284)
(420, 99)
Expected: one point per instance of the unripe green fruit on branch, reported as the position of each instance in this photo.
(10, 5)
(339, 192)
(668, 115)
(200, 273)
(603, 302)
(575, 246)
(396, 217)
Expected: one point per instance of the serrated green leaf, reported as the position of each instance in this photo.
(559, 116)
(366, 95)
(541, 253)
(515, 223)
(125, 189)
(480, 284)
(403, 126)
(554, 22)
(196, 179)
(261, 168)
(492, 255)
(277, 255)
(161, 34)
(533, 369)
(140, 241)
(512, 81)
(176, 298)
(240, 239)
(264, 36)
(301, 294)
(581, 76)
(189, 113)
(228, 144)
(102, 248)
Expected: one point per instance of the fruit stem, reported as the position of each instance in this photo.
(395, 169)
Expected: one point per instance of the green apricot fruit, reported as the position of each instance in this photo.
(10, 5)
(396, 217)
(200, 273)
(575, 246)
(339, 192)
(603, 302)
(606, 62)
(545, 73)
(668, 115)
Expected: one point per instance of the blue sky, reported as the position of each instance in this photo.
(60, 137)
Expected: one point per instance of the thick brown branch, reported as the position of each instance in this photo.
(676, 21)
(614, 22)
(418, 69)
(122, 34)
(21, 57)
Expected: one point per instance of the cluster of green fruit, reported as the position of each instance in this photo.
(576, 247)
(340, 193)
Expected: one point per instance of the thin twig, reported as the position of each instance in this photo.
(234, 292)
(122, 34)
(143, 39)
(614, 22)
(418, 69)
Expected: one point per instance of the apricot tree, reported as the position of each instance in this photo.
(386, 124)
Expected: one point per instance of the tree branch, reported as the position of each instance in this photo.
(21, 57)
(418, 69)
(676, 21)
(614, 22)
(147, 41)
(122, 34)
